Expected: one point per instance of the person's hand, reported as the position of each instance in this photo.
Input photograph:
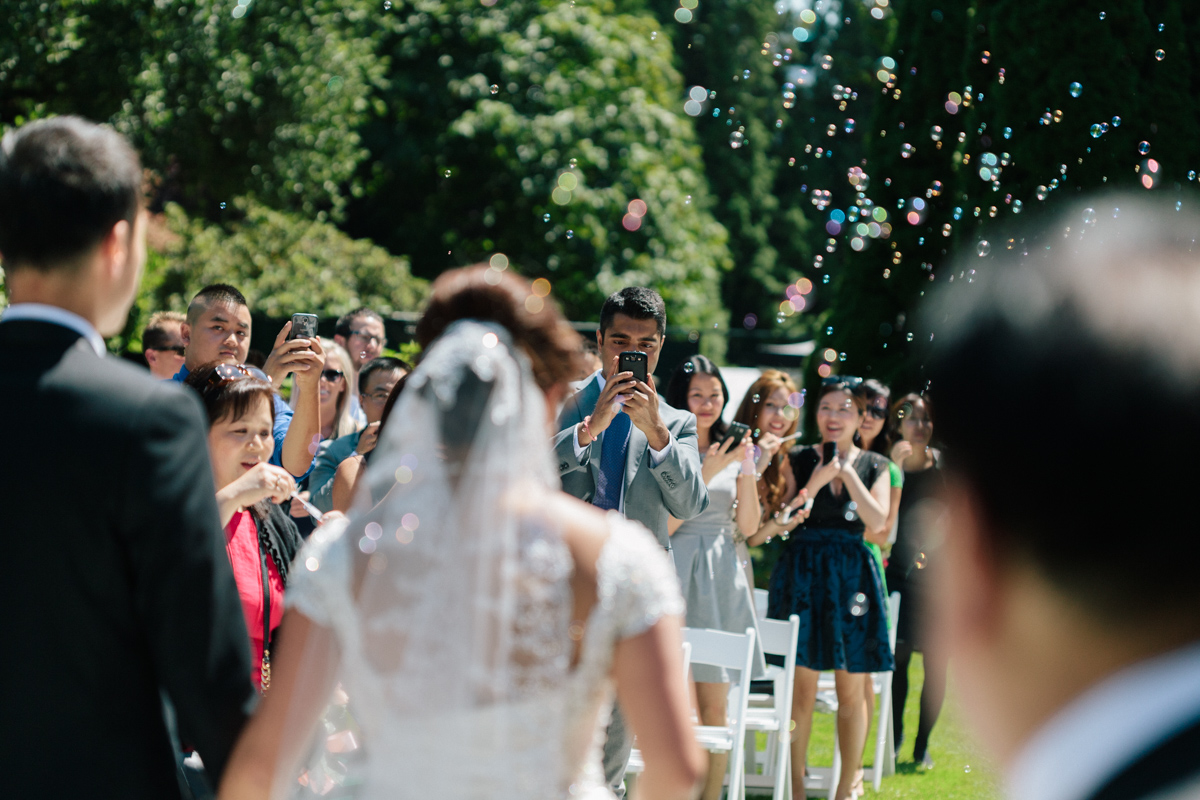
(368, 439)
(617, 389)
(847, 463)
(642, 408)
(260, 482)
(297, 508)
(717, 457)
(797, 508)
(290, 356)
(824, 473)
(901, 450)
(331, 516)
(768, 446)
(308, 365)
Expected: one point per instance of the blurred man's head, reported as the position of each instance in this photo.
(162, 343)
(375, 382)
(1067, 376)
(217, 328)
(635, 318)
(71, 218)
(361, 333)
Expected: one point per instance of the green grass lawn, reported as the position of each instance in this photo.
(959, 772)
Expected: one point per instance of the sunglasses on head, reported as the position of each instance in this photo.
(331, 375)
(878, 412)
(852, 382)
(177, 349)
(225, 373)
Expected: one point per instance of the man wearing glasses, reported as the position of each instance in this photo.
(361, 333)
(378, 377)
(162, 344)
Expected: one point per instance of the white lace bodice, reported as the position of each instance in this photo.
(544, 738)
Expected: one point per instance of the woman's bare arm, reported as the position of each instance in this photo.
(880, 537)
(269, 752)
(345, 480)
(653, 695)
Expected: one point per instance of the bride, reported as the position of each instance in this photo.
(478, 618)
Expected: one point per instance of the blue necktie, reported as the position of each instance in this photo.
(612, 463)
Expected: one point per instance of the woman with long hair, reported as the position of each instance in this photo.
(827, 577)
(336, 421)
(913, 557)
(711, 574)
(873, 438)
(771, 410)
(479, 618)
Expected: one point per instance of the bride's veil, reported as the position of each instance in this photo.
(458, 602)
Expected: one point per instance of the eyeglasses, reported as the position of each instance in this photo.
(224, 373)
(852, 382)
(878, 412)
(178, 350)
(331, 375)
(369, 338)
(379, 396)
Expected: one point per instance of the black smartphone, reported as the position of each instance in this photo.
(828, 452)
(737, 432)
(304, 326)
(633, 361)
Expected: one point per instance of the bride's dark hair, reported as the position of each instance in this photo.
(537, 326)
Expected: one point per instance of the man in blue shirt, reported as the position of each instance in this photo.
(218, 330)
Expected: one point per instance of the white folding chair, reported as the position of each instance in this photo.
(734, 651)
(636, 764)
(884, 762)
(773, 713)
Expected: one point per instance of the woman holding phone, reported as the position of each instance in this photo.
(715, 588)
(827, 576)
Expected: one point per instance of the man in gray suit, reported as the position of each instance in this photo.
(621, 447)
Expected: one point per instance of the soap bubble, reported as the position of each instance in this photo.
(1041, 192)
(1144, 148)
(1116, 122)
(1096, 131)
(935, 133)
(983, 248)
(907, 150)
(859, 604)
(494, 89)
(1089, 217)
(1159, 55)
(1076, 89)
(737, 139)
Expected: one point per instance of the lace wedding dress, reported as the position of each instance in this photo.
(451, 600)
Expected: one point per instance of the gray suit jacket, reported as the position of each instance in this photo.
(673, 488)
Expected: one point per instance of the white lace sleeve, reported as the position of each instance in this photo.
(637, 580)
(320, 575)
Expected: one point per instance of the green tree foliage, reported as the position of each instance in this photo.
(528, 128)
(223, 99)
(281, 262)
(1041, 141)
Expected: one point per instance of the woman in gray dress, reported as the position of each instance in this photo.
(714, 584)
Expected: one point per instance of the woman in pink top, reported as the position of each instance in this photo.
(260, 538)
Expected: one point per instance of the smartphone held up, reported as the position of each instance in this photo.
(634, 361)
(304, 326)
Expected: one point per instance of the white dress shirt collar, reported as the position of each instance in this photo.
(1107, 728)
(56, 316)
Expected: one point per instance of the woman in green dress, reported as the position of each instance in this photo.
(872, 437)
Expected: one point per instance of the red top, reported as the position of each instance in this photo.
(241, 543)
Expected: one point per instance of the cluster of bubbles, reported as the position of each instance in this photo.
(697, 96)
(634, 213)
(685, 12)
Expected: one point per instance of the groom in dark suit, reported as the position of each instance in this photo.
(621, 447)
(117, 590)
(1069, 601)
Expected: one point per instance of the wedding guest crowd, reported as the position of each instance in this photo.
(175, 561)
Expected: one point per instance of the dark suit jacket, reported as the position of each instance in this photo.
(1170, 765)
(674, 487)
(116, 582)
